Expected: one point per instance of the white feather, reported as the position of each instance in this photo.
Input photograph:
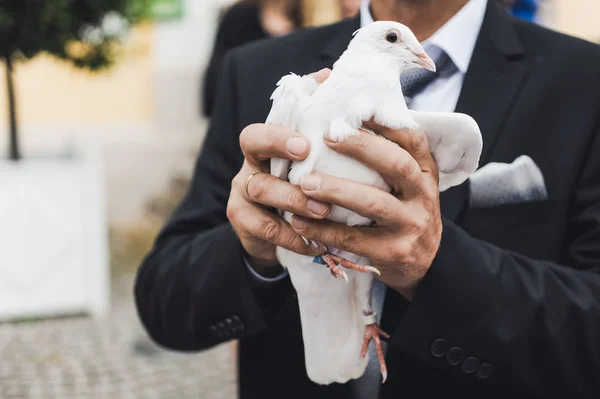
(290, 99)
(455, 142)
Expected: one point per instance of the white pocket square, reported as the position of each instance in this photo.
(507, 184)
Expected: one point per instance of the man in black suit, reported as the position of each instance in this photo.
(498, 293)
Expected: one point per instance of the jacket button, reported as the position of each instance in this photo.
(439, 347)
(470, 365)
(485, 371)
(237, 324)
(455, 356)
(216, 331)
(230, 326)
(223, 329)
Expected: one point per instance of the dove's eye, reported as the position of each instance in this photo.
(391, 37)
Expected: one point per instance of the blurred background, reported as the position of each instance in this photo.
(103, 109)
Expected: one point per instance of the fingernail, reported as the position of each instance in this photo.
(317, 207)
(298, 223)
(296, 145)
(327, 136)
(336, 139)
(311, 182)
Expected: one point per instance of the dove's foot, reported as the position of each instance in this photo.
(335, 269)
(372, 332)
(354, 266)
(334, 262)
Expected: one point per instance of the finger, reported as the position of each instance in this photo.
(260, 142)
(398, 168)
(413, 141)
(322, 75)
(270, 191)
(358, 240)
(266, 226)
(367, 201)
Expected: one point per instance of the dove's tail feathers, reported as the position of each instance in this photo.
(455, 142)
(332, 324)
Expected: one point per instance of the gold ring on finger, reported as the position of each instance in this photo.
(248, 183)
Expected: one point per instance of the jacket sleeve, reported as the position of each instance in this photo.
(193, 290)
(492, 315)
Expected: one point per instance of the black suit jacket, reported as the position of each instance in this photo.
(511, 304)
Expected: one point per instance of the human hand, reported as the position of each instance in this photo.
(254, 191)
(407, 233)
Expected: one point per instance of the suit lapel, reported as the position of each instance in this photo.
(333, 49)
(497, 70)
(495, 75)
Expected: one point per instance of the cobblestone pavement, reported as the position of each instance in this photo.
(106, 358)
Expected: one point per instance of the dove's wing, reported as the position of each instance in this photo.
(455, 142)
(290, 99)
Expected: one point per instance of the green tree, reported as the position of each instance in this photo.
(84, 33)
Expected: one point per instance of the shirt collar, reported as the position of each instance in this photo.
(456, 37)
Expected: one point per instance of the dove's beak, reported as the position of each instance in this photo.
(423, 60)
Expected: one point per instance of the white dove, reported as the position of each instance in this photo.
(337, 319)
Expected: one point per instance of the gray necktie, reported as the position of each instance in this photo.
(416, 80)
(413, 82)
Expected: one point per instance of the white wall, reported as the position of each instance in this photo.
(181, 52)
(142, 168)
(576, 17)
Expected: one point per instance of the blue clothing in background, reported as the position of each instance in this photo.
(525, 9)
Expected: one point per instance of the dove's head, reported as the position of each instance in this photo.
(395, 41)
